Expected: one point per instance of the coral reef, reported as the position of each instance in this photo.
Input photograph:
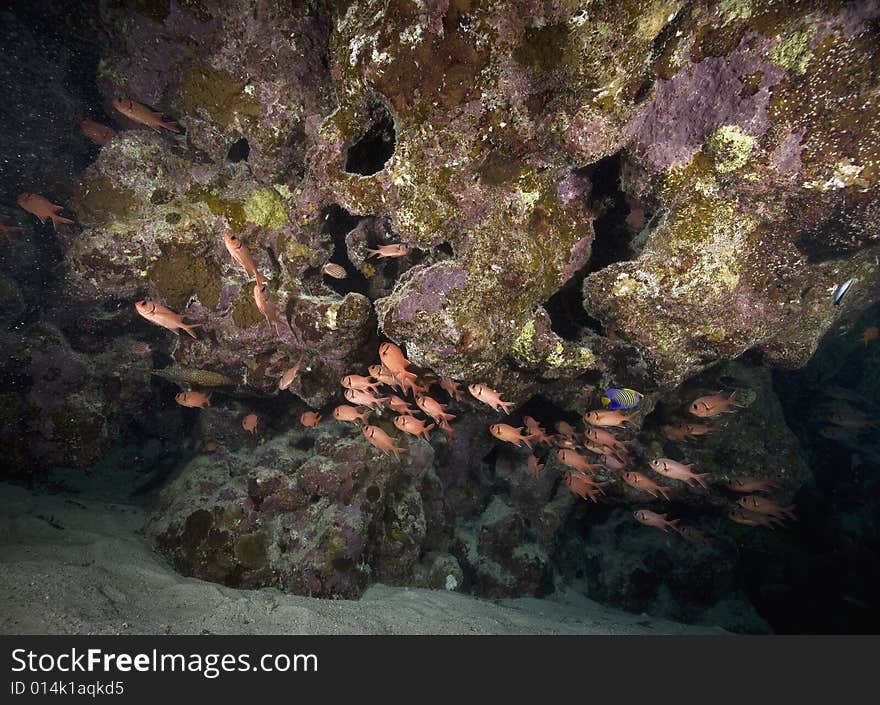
(549, 199)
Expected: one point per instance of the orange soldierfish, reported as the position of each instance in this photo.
(193, 400)
(382, 440)
(658, 521)
(450, 386)
(575, 461)
(747, 518)
(433, 408)
(582, 485)
(674, 433)
(310, 419)
(383, 375)
(399, 406)
(489, 396)
(359, 382)
(698, 429)
(534, 466)
(413, 426)
(509, 434)
(692, 534)
(536, 431)
(395, 362)
(250, 422)
(144, 115)
(398, 250)
(98, 133)
(870, 334)
(602, 437)
(290, 375)
(362, 398)
(241, 254)
(678, 471)
(641, 482)
(762, 505)
(163, 316)
(713, 405)
(612, 462)
(609, 418)
(751, 484)
(267, 306)
(43, 208)
(446, 429)
(344, 412)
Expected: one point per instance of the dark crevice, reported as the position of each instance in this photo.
(368, 155)
(239, 151)
(338, 222)
(612, 243)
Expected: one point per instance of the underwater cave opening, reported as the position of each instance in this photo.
(239, 151)
(369, 154)
(613, 241)
(338, 223)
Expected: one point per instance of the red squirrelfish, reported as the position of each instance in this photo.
(658, 521)
(433, 408)
(713, 405)
(344, 412)
(576, 461)
(98, 133)
(609, 418)
(144, 115)
(163, 316)
(678, 471)
(42, 207)
(193, 400)
(413, 426)
(362, 398)
(509, 434)
(382, 440)
(398, 250)
(642, 482)
(489, 396)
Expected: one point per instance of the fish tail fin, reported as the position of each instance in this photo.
(663, 490)
(733, 399)
(789, 512)
(188, 327)
(527, 441)
(60, 219)
(208, 398)
(699, 478)
(426, 431)
(674, 524)
(171, 125)
(505, 405)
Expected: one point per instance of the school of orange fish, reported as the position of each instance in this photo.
(604, 448)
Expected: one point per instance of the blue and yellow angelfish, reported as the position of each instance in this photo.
(615, 399)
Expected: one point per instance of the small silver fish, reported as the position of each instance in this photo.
(331, 269)
(840, 292)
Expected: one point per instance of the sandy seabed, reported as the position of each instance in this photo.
(75, 566)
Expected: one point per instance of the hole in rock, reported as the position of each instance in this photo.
(613, 238)
(239, 151)
(368, 155)
(612, 243)
(338, 222)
